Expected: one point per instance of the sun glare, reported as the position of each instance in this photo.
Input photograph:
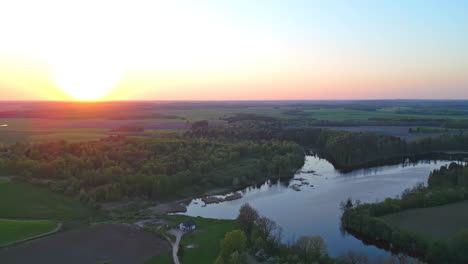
(88, 45)
(86, 75)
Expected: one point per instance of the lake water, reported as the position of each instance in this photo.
(316, 210)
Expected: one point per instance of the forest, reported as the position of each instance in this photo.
(346, 150)
(118, 167)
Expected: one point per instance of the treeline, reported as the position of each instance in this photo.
(347, 150)
(129, 128)
(460, 124)
(429, 130)
(118, 167)
(446, 185)
(351, 149)
(433, 111)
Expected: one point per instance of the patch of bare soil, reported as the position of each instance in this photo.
(169, 208)
(116, 243)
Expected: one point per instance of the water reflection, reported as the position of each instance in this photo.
(313, 208)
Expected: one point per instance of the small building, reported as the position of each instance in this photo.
(187, 225)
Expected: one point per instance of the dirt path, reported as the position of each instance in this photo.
(175, 246)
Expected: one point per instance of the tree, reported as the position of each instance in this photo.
(200, 124)
(219, 260)
(247, 217)
(346, 205)
(265, 227)
(311, 247)
(232, 242)
(235, 258)
(259, 243)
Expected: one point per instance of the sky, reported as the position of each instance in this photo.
(233, 50)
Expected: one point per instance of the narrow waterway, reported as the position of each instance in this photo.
(309, 204)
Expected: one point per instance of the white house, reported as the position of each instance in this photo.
(187, 225)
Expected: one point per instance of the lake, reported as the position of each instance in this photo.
(315, 208)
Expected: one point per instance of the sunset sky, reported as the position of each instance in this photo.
(233, 50)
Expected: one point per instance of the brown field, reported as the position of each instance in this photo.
(115, 243)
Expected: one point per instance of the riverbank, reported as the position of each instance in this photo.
(433, 155)
(321, 204)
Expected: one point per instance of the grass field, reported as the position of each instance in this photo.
(341, 114)
(12, 231)
(438, 222)
(206, 239)
(42, 129)
(36, 130)
(21, 200)
(165, 258)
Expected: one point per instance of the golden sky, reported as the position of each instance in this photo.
(239, 50)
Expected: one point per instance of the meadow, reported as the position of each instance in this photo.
(40, 130)
(165, 258)
(13, 230)
(24, 201)
(436, 222)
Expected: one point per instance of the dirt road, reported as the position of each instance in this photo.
(175, 246)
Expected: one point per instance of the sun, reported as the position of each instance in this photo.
(86, 76)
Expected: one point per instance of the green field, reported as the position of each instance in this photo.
(36, 129)
(438, 222)
(69, 136)
(165, 258)
(206, 239)
(341, 114)
(12, 230)
(22, 200)
(43, 129)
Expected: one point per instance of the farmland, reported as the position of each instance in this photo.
(36, 130)
(166, 153)
(114, 243)
(13, 230)
(427, 221)
(38, 203)
(40, 121)
(341, 114)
